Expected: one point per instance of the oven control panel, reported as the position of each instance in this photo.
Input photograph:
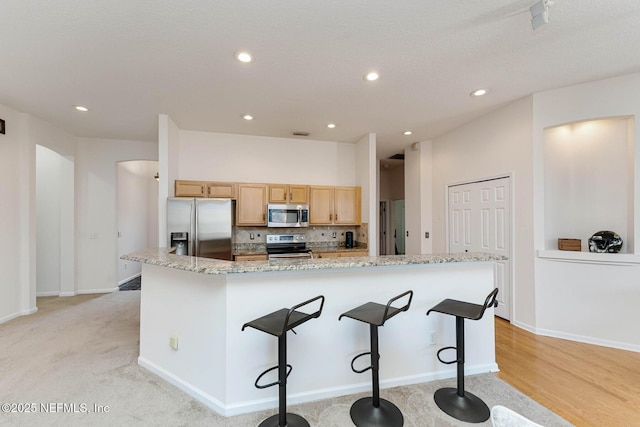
(285, 238)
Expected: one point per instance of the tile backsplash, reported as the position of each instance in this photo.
(316, 235)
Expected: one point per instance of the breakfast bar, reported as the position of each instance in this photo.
(192, 312)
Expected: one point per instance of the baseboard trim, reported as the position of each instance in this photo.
(68, 294)
(526, 327)
(589, 340)
(47, 294)
(327, 393)
(97, 291)
(18, 314)
(123, 281)
(10, 317)
(202, 397)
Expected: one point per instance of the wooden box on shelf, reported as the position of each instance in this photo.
(569, 245)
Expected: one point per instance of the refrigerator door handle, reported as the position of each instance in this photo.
(196, 241)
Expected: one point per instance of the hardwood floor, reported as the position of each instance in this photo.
(587, 385)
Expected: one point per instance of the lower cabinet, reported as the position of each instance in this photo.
(255, 257)
(340, 254)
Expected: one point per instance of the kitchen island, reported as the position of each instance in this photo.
(199, 305)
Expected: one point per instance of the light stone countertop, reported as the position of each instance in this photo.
(162, 257)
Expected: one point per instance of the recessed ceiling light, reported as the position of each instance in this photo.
(81, 108)
(479, 92)
(247, 117)
(372, 76)
(243, 57)
(407, 132)
(331, 125)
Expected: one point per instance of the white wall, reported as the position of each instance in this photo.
(587, 176)
(137, 213)
(14, 227)
(62, 158)
(418, 194)
(48, 193)
(366, 167)
(496, 144)
(243, 158)
(96, 200)
(592, 303)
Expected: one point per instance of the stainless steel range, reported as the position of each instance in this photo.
(283, 246)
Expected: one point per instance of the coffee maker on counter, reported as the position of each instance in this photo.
(348, 243)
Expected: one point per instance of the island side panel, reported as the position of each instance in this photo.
(322, 350)
(192, 307)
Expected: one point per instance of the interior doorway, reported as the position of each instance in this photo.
(55, 219)
(397, 212)
(479, 220)
(382, 224)
(137, 213)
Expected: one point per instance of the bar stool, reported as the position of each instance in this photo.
(457, 402)
(277, 324)
(374, 411)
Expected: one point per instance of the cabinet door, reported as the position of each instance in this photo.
(354, 253)
(251, 207)
(222, 190)
(278, 193)
(189, 188)
(327, 255)
(320, 205)
(250, 257)
(299, 194)
(347, 205)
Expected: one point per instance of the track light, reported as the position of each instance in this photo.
(540, 13)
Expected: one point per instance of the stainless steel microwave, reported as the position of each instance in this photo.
(288, 215)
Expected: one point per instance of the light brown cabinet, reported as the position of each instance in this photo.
(334, 205)
(340, 254)
(347, 205)
(190, 188)
(288, 193)
(320, 205)
(222, 190)
(252, 204)
(255, 257)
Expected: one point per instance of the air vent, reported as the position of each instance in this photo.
(397, 157)
(300, 133)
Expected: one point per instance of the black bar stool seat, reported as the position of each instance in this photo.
(374, 411)
(277, 324)
(457, 402)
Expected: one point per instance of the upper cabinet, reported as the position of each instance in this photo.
(347, 205)
(223, 190)
(252, 204)
(327, 204)
(334, 205)
(284, 193)
(190, 188)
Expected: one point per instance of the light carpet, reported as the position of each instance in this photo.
(85, 354)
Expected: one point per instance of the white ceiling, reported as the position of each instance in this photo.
(130, 60)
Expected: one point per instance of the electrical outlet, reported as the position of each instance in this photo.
(334, 235)
(432, 337)
(173, 342)
(426, 234)
(93, 235)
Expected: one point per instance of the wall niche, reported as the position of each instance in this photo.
(588, 180)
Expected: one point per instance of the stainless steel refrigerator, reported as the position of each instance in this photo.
(200, 227)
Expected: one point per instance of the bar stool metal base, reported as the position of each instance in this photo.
(364, 414)
(293, 420)
(469, 408)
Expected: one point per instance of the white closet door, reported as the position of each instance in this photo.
(480, 221)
